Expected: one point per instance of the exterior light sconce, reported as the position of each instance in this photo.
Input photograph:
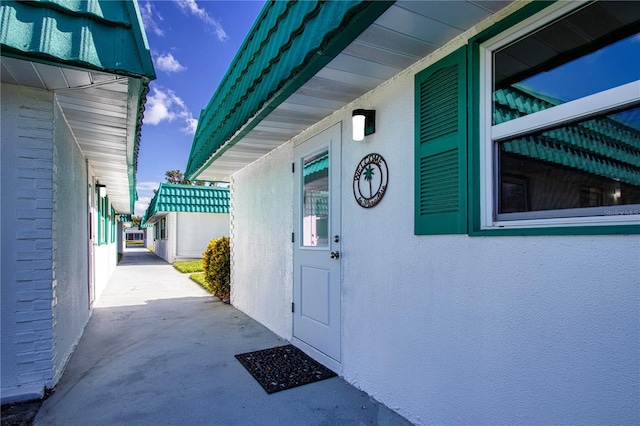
(364, 123)
(102, 190)
(617, 193)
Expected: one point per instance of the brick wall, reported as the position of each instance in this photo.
(27, 212)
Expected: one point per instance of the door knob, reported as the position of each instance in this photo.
(335, 255)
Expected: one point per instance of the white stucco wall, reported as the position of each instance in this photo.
(70, 241)
(195, 230)
(26, 230)
(450, 329)
(261, 249)
(165, 248)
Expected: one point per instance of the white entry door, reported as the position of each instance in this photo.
(316, 257)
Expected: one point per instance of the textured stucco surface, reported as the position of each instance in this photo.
(70, 242)
(195, 230)
(450, 329)
(261, 249)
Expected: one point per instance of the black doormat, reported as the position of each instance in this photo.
(283, 367)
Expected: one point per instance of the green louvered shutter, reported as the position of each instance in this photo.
(441, 147)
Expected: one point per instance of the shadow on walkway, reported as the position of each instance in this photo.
(159, 350)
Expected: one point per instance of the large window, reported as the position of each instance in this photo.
(560, 118)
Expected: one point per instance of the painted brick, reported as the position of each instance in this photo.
(44, 184)
(42, 284)
(43, 224)
(44, 144)
(34, 336)
(25, 245)
(23, 265)
(30, 112)
(42, 264)
(30, 357)
(25, 184)
(31, 295)
(45, 164)
(42, 193)
(35, 213)
(27, 316)
(34, 133)
(46, 203)
(41, 305)
(35, 255)
(28, 234)
(39, 275)
(43, 244)
(33, 173)
(36, 150)
(39, 325)
(34, 376)
(25, 204)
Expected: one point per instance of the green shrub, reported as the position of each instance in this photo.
(189, 266)
(217, 267)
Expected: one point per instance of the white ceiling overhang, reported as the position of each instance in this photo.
(405, 33)
(102, 112)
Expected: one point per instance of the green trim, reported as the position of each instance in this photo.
(564, 230)
(440, 205)
(474, 144)
(289, 43)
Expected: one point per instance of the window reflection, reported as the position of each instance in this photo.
(592, 163)
(315, 224)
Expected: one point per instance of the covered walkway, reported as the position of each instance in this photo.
(159, 350)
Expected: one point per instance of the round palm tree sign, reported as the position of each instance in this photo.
(370, 180)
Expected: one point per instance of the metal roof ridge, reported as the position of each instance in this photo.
(300, 41)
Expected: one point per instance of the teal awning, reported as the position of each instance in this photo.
(289, 43)
(187, 198)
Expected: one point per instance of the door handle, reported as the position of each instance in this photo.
(335, 255)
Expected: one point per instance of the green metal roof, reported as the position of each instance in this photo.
(187, 198)
(93, 35)
(289, 43)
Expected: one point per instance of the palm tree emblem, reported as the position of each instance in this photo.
(368, 176)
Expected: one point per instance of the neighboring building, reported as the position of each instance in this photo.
(185, 218)
(494, 275)
(74, 81)
(134, 237)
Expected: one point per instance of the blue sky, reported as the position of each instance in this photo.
(192, 44)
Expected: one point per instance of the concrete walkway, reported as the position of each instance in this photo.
(159, 350)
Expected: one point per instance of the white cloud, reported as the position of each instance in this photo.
(147, 186)
(167, 63)
(164, 105)
(191, 7)
(150, 18)
(192, 125)
(141, 206)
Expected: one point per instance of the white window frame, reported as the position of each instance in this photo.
(583, 107)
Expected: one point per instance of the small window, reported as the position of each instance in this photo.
(560, 118)
(163, 229)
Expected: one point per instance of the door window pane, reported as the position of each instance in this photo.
(315, 200)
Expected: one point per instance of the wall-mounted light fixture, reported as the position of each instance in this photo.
(102, 190)
(364, 123)
(617, 193)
